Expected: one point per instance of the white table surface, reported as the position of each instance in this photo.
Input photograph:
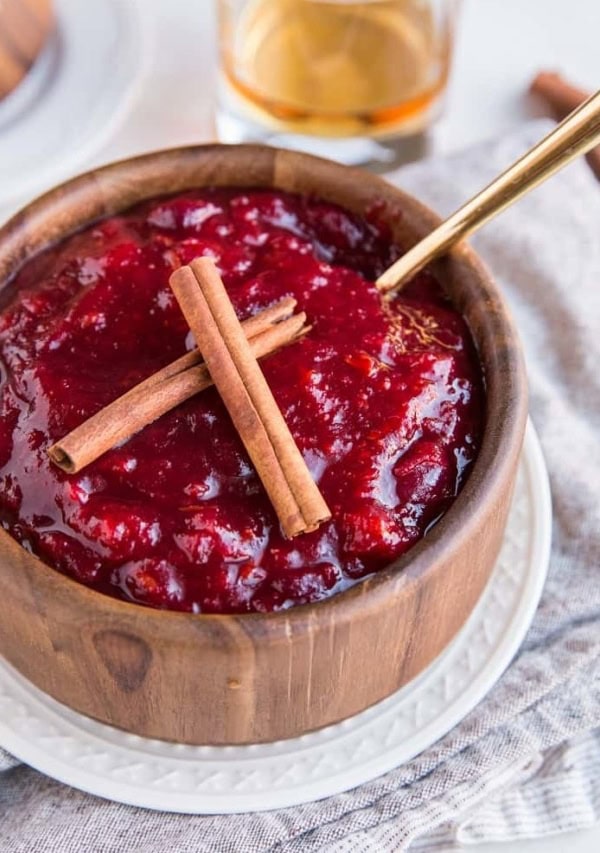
(501, 44)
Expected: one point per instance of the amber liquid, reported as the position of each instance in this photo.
(337, 67)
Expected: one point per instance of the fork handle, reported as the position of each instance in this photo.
(579, 132)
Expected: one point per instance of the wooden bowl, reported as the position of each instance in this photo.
(24, 28)
(211, 679)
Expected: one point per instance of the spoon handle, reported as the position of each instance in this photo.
(579, 132)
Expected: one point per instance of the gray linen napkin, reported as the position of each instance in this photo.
(526, 761)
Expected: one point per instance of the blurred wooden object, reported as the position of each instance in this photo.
(24, 27)
(561, 98)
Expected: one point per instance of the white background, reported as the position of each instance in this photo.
(500, 46)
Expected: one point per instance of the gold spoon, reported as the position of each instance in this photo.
(579, 132)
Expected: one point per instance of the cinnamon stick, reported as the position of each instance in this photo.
(268, 331)
(561, 98)
(248, 398)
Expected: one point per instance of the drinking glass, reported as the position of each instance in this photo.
(357, 80)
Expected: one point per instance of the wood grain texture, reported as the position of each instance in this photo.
(24, 28)
(236, 679)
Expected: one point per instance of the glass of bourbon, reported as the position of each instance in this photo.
(356, 80)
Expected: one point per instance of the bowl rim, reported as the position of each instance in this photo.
(496, 450)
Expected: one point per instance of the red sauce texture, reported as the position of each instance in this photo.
(385, 403)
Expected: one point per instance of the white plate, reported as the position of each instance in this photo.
(74, 97)
(203, 780)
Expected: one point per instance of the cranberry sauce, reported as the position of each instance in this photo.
(385, 404)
